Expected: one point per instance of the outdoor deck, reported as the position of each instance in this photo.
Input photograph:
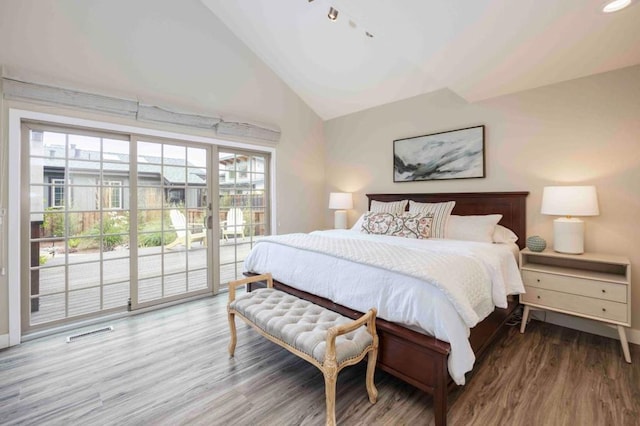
(161, 273)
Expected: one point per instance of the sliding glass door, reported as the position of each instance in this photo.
(173, 250)
(122, 221)
(243, 207)
(78, 193)
(114, 223)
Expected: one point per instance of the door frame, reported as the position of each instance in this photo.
(15, 210)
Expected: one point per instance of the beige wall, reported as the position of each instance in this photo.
(584, 131)
(154, 51)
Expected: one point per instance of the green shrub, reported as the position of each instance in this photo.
(53, 224)
(152, 236)
(113, 228)
(155, 239)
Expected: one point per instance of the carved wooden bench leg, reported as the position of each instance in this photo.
(371, 369)
(330, 379)
(234, 336)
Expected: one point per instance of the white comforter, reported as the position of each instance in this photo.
(395, 275)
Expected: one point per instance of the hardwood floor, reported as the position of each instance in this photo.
(171, 367)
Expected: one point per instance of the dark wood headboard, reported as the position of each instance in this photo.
(511, 205)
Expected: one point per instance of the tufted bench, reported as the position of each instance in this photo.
(325, 338)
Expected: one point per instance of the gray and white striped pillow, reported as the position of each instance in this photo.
(394, 207)
(440, 212)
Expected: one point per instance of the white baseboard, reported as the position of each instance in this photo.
(4, 341)
(586, 325)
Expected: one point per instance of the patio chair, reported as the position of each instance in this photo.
(185, 236)
(234, 225)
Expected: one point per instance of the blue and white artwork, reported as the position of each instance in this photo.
(458, 154)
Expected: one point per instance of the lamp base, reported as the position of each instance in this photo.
(568, 235)
(340, 219)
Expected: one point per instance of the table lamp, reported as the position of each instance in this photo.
(340, 202)
(569, 201)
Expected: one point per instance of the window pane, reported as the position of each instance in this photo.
(174, 155)
(84, 275)
(149, 289)
(115, 295)
(149, 266)
(84, 301)
(197, 157)
(49, 280)
(115, 150)
(149, 152)
(174, 175)
(149, 175)
(197, 279)
(175, 284)
(84, 197)
(150, 198)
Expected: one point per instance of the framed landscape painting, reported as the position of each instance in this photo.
(456, 154)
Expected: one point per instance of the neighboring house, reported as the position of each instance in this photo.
(238, 174)
(82, 172)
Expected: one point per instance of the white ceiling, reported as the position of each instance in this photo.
(477, 48)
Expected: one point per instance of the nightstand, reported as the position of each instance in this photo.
(589, 285)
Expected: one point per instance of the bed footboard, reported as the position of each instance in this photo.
(418, 359)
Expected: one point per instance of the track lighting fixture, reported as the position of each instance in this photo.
(333, 14)
(615, 5)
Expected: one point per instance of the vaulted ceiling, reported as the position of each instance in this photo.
(479, 49)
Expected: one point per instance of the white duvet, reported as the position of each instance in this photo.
(441, 287)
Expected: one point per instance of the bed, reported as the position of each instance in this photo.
(406, 352)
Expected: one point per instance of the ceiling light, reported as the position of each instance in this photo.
(333, 14)
(615, 5)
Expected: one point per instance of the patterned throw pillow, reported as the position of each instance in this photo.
(405, 224)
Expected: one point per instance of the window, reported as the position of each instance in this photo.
(113, 194)
(57, 192)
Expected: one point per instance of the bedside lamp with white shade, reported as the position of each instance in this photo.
(340, 202)
(569, 201)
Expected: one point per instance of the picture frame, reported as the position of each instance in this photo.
(454, 154)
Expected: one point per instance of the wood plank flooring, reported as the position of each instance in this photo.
(171, 367)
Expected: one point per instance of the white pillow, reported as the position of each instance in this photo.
(440, 212)
(395, 207)
(473, 228)
(358, 225)
(504, 235)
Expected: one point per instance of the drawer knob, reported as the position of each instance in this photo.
(604, 310)
(538, 297)
(604, 291)
(538, 280)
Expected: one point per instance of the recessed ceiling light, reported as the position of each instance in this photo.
(615, 5)
(333, 14)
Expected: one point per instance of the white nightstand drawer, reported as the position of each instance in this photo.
(573, 304)
(580, 286)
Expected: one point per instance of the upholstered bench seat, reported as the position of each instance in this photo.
(325, 338)
(300, 323)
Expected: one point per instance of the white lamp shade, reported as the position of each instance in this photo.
(340, 201)
(570, 201)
